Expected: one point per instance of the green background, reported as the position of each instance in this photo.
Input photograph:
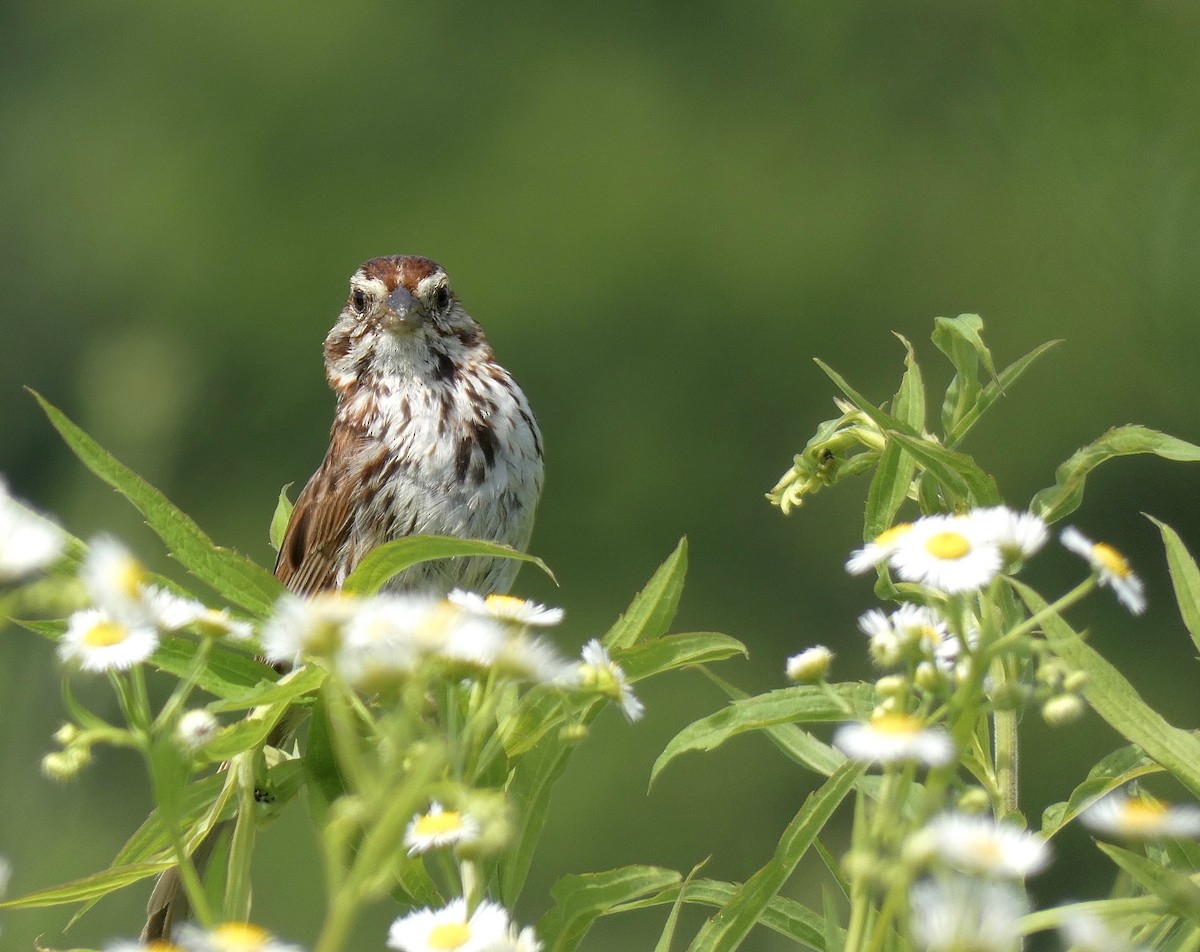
(659, 212)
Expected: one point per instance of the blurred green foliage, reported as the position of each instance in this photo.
(659, 211)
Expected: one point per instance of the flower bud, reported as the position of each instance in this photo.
(1062, 709)
(810, 665)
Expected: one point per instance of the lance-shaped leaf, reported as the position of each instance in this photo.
(958, 473)
(725, 931)
(580, 900)
(669, 652)
(653, 608)
(1185, 577)
(1061, 499)
(959, 339)
(993, 391)
(1116, 700)
(229, 573)
(1111, 773)
(281, 518)
(88, 888)
(1180, 894)
(390, 559)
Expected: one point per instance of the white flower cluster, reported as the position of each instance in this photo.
(28, 542)
(486, 928)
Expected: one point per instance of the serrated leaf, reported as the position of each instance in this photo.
(89, 887)
(1111, 773)
(226, 673)
(805, 704)
(1061, 499)
(669, 652)
(725, 931)
(280, 519)
(1116, 700)
(1185, 577)
(229, 573)
(390, 559)
(581, 899)
(653, 609)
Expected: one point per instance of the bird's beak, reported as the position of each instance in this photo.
(402, 313)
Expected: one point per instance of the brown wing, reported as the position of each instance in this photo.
(317, 533)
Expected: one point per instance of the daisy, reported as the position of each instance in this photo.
(601, 674)
(231, 937)
(978, 844)
(196, 728)
(1088, 933)
(1110, 566)
(878, 550)
(171, 612)
(810, 665)
(509, 608)
(438, 827)
(307, 626)
(384, 639)
(1019, 535)
(450, 929)
(115, 580)
(28, 543)
(524, 941)
(98, 642)
(910, 628)
(157, 945)
(885, 646)
(962, 914)
(949, 553)
(1141, 818)
(887, 738)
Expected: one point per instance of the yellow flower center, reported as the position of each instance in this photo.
(1111, 560)
(987, 851)
(436, 824)
(449, 935)
(105, 634)
(239, 937)
(506, 605)
(891, 536)
(948, 545)
(930, 635)
(1143, 815)
(158, 945)
(127, 578)
(895, 724)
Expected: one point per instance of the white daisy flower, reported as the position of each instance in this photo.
(114, 578)
(231, 937)
(962, 914)
(887, 738)
(196, 728)
(439, 827)
(387, 637)
(509, 608)
(810, 665)
(171, 612)
(532, 659)
(1084, 932)
(910, 630)
(885, 646)
(949, 553)
(450, 929)
(96, 641)
(1141, 818)
(307, 626)
(1110, 566)
(1019, 535)
(878, 550)
(474, 640)
(599, 673)
(979, 844)
(28, 542)
(524, 941)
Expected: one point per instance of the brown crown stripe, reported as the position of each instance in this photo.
(394, 270)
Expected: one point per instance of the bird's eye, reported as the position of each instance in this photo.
(441, 298)
(358, 300)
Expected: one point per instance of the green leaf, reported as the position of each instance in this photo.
(229, 573)
(667, 937)
(95, 886)
(324, 781)
(1181, 895)
(1061, 499)
(885, 421)
(909, 403)
(889, 488)
(669, 652)
(805, 704)
(993, 391)
(392, 558)
(529, 790)
(1111, 773)
(967, 483)
(959, 339)
(724, 931)
(580, 900)
(1185, 577)
(1115, 700)
(653, 609)
(785, 916)
(300, 681)
(227, 674)
(281, 518)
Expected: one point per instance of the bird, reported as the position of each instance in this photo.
(430, 436)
